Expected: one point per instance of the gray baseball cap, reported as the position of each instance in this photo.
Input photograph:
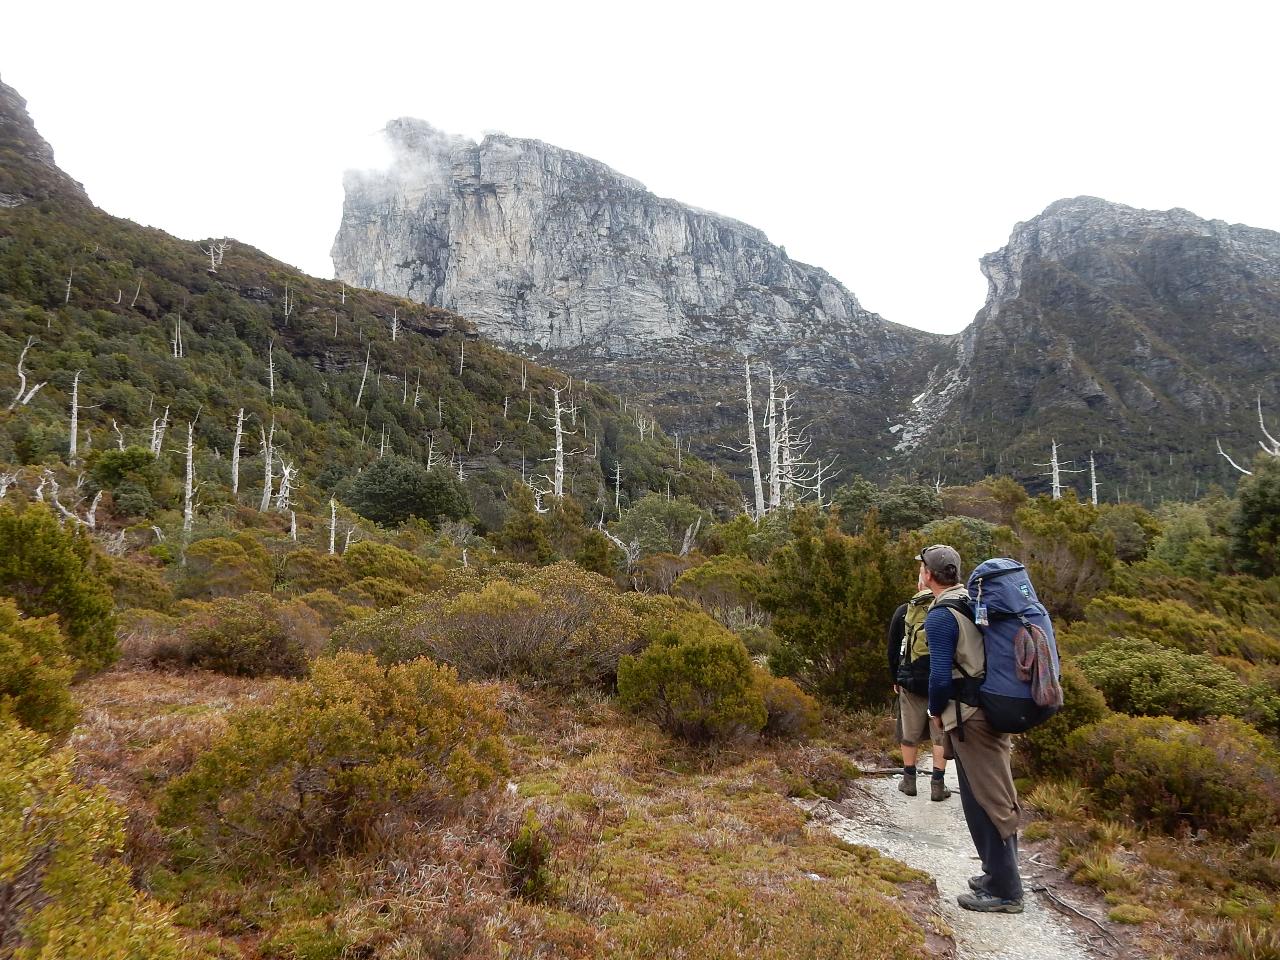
(941, 560)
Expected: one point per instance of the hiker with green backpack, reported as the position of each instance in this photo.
(994, 672)
(909, 668)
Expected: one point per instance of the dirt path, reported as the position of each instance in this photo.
(933, 837)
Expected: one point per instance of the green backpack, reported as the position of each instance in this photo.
(913, 664)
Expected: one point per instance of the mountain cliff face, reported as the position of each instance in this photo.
(557, 254)
(27, 170)
(1141, 335)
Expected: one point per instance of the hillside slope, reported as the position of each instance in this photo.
(346, 375)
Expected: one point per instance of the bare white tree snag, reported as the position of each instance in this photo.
(439, 410)
(1271, 446)
(75, 418)
(188, 485)
(506, 403)
(293, 526)
(1093, 480)
(382, 443)
(524, 378)
(214, 251)
(344, 303)
(67, 299)
(289, 304)
(471, 431)
(771, 422)
(787, 462)
(1056, 468)
(137, 290)
(630, 551)
(404, 397)
(271, 367)
(395, 323)
(557, 421)
(119, 295)
(23, 396)
(417, 389)
(690, 537)
(364, 376)
(431, 452)
(119, 435)
(529, 418)
(346, 544)
(178, 352)
(268, 466)
(333, 525)
(462, 356)
(284, 494)
(752, 448)
(617, 487)
(1247, 473)
(7, 480)
(90, 519)
(235, 454)
(158, 428)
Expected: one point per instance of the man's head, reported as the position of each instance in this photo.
(939, 567)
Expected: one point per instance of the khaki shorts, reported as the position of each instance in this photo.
(913, 719)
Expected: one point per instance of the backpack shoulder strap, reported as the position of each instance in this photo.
(962, 607)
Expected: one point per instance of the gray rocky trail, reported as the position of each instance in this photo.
(933, 837)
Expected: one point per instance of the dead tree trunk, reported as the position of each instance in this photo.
(752, 448)
(235, 454)
(268, 466)
(75, 418)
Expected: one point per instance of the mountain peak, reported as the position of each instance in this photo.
(27, 168)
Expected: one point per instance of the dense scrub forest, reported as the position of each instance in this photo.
(327, 631)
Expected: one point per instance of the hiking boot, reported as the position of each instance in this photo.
(907, 785)
(938, 790)
(984, 902)
(978, 884)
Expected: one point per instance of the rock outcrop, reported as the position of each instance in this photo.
(554, 252)
(27, 169)
(1142, 335)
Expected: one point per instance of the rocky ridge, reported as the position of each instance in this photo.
(555, 253)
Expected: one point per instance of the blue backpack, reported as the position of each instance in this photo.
(1021, 687)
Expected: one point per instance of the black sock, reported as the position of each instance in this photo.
(908, 771)
(939, 774)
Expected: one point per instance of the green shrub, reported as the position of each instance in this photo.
(831, 596)
(306, 570)
(65, 891)
(368, 559)
(1222, 776)
(1042, 751)
(529, 861)
(1146, 678)
(35, 675)
(1070, 562)
(728, 587)
(789, 710)
(245, 636)
(48, 568)
(336, 760)
(557, 625)
(976, 540)
(696, 681)
(1255, 522)
(394, 489)
(1170, 623)
(226, 567)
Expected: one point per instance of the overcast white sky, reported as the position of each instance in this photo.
(892, 144)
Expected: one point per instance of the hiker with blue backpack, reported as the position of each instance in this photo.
(993, 673)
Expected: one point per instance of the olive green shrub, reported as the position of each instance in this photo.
(1222, 776)
(557, 625)
(696, 681)
(50, 568)
(35, 675)
(336, 761)
(64, 891)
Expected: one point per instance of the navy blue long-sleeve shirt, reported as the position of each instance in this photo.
(943, 633)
